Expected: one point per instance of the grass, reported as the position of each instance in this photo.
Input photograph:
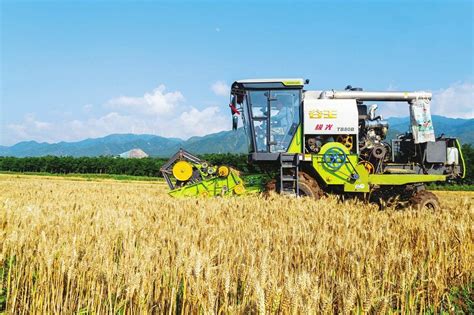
(452, 187)
(461, 299)
(88, 176)
(77, 246)
(251, 178)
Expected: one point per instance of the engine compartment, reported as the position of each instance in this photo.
(381, 155)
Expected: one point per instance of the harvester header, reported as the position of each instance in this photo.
(187, 175)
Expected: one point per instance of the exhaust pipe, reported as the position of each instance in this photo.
(375, 96)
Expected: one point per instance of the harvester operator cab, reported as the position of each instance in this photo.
(271, 113)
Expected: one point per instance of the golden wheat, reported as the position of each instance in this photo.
(110, 246)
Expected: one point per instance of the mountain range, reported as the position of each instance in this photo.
(221, 142)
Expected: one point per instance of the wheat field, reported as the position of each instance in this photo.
(78, 246)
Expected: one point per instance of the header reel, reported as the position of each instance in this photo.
(187, 175)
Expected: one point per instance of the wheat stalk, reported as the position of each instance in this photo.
(112, 247)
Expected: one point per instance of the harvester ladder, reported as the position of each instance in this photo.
(289, 164)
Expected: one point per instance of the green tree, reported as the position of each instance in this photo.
(468, 154)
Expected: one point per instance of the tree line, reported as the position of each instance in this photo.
(109, 165)
(147, 166)
(468, 154)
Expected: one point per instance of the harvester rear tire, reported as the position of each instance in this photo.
(424, 200)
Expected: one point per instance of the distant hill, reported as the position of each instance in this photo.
(115, 144)
(221, 142)
(109, 145)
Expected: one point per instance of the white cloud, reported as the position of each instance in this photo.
(87, 108)
(456, 101)
(23, 130)
(206, 121)
(392, 109)
(392, 87)
(220, 88)
(157, 102)
(32, 129)
(158, 112)
(167, 114)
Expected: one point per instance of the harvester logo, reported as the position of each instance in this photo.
(322, 114)
(323, 127)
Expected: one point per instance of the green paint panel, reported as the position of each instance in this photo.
(343, 175)
(296, 143)
(216, 186)
(361, 184)
(403, 179)
(458, 145)
(293, 82)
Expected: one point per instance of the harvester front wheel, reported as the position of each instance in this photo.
(308, 186)
(270, 187)
(424, 200)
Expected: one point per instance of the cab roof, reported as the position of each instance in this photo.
(268, 83)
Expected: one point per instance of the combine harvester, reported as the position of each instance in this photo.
(326, 142)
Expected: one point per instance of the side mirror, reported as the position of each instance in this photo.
(235, 121)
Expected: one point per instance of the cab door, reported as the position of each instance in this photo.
(274, 118)
(284, 108)
(259, 109)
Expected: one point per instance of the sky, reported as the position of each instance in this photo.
(72, 70)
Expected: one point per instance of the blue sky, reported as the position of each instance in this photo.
(73, 70)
